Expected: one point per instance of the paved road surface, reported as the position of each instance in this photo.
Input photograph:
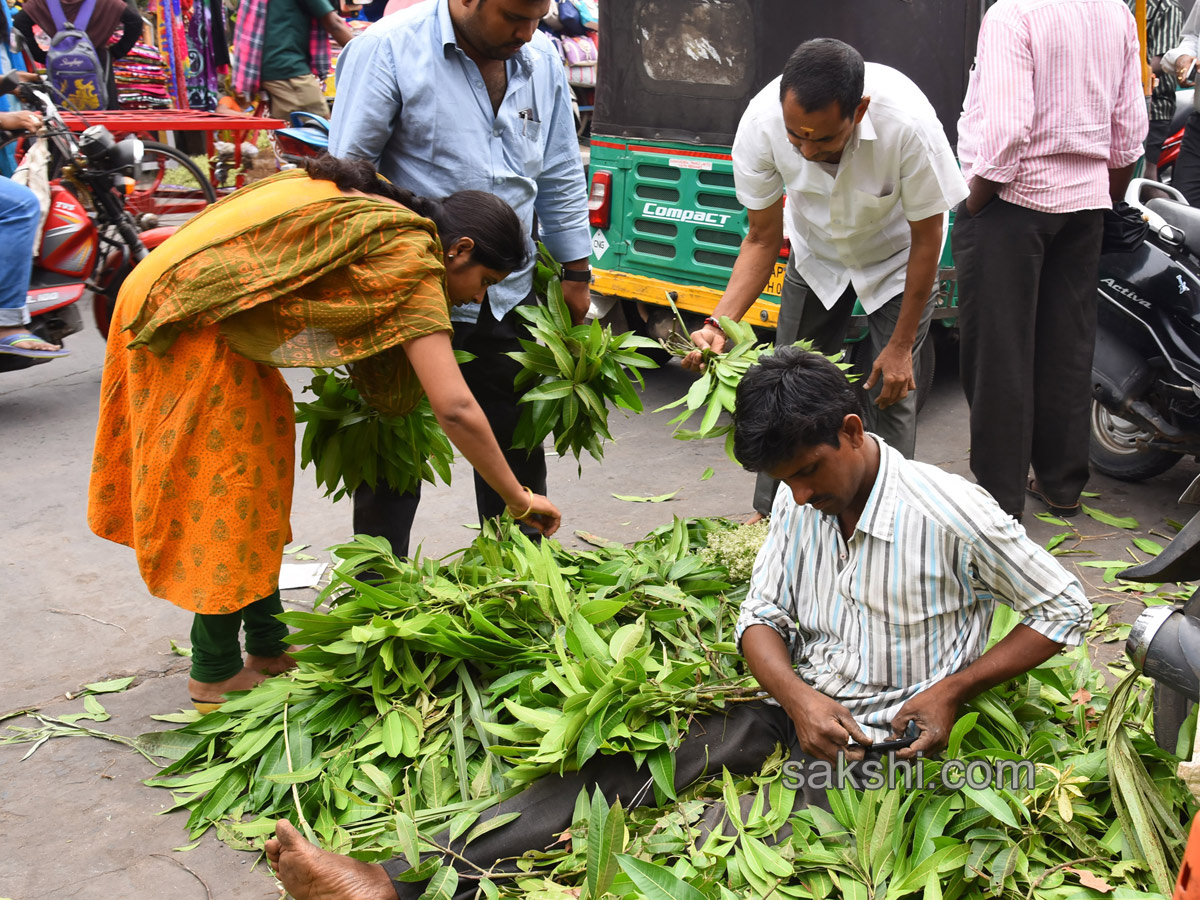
(75, 821)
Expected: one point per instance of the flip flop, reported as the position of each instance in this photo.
(8, 345)
(205, 706)
(1033, 489)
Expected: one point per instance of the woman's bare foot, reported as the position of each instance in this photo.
(755, 519)
(310, 873)
(270, 665)
(214, 692)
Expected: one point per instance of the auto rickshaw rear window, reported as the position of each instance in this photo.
(701, 42)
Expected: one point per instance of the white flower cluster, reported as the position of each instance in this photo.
(736, 549)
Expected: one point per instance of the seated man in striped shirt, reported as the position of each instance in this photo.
(871, 600)
(868, 608)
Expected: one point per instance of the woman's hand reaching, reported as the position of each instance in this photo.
(537, 512)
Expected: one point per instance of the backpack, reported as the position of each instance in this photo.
(72, 65)
(569, 18)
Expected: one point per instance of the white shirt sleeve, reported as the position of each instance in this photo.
(757, 179)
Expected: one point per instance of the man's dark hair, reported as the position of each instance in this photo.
(824, 71)
(500, 240)
(789, 401)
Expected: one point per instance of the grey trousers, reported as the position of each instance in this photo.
(740, 741)
(802, 316)
(1027, 317)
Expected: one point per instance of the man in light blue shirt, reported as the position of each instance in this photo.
(452, 95)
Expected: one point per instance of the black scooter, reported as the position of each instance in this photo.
(1146, 369)
(1164, 642)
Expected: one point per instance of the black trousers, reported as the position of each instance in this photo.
(741, 741)
(1156, 136)
(1186, 177)
(1027, 319)
(385, 513)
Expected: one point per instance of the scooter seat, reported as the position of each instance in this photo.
(1185, 218)
(304, 119)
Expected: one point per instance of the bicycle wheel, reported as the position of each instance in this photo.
(169, 185)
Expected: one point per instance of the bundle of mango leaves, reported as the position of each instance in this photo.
(440, 687)
(572, 373)
(349, 443)
(715, 391)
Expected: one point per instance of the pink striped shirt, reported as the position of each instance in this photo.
(1055, 101)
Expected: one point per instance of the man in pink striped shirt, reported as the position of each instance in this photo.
(1052, 125)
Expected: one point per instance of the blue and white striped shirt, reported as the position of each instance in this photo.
(908, 600)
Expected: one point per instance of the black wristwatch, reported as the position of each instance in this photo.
(575, 274)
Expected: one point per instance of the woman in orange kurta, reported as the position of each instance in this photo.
(195, 446)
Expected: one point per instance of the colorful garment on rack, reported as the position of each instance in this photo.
(172, 43)
(248, 36)
(203, 89)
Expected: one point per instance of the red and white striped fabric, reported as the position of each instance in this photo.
(1055, 100)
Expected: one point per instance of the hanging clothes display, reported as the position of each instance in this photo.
(172, 43)
(208, 54)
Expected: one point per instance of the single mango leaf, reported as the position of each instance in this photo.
(659, 499)
(1108, 518)
(109, 687)
(1051, 519)
(708, 473)
(1091, 880)
(1148, 546)
(1058, 539)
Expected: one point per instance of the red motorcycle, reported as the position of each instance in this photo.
(102, 219)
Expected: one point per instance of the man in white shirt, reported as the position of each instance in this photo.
(868, 176)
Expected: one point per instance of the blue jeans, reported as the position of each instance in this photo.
(20, 215)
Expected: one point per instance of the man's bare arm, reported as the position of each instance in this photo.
(823, 726)
(936, 709)
(751, 272)
(337, 28)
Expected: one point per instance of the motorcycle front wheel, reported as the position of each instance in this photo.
(1118, 448)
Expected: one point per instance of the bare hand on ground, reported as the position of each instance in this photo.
(895, 368)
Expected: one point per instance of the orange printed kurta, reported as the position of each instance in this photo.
(195, 448)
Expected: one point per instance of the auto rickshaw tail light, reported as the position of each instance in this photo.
(600, 200)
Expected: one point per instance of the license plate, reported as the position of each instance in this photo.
(775, 285)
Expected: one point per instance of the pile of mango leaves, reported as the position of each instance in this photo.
(437, 688)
